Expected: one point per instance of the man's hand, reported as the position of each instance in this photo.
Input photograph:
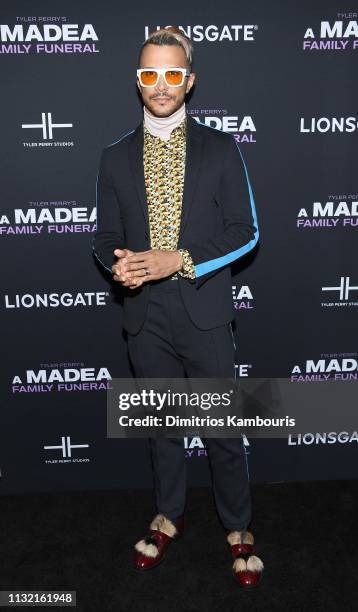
(119, 273)
(131, 270)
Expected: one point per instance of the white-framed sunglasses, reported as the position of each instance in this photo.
(174, 77)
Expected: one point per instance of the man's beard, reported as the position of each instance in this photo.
(165, 112)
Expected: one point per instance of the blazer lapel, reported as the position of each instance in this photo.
(194, 150)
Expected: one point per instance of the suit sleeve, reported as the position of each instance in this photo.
(109, 233)
(240, 234)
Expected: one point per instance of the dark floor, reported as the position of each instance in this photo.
(306, 535)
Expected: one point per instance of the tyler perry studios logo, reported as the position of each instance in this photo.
(65, 450)
(32, 35)
(242, 127)
(45, 129)
(335, 35)
(213, 33)
(338, 211)
(55, 217)
(341, 294)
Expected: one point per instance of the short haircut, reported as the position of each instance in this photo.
(171, 35)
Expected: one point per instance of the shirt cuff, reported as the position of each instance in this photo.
(188, 268)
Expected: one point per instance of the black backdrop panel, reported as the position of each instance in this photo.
(281, 78)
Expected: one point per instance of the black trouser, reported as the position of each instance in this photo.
(169, 345)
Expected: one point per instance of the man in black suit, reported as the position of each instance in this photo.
(174, 208)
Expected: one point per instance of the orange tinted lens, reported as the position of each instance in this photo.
(149, 77)
(173, 77)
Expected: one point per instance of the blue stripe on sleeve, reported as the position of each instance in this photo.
(218, 262)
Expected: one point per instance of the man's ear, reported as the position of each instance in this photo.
(191, 80)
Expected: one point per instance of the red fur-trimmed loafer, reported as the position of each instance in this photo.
(247, 568)
(150, 551)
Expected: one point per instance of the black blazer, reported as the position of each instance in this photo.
(218, 224)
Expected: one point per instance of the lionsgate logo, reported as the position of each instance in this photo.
(334, 366)
(343, 294)
(61, 377)
(335, 35)
(242, 127)
(242, 370)
(213, 33)
(51, 35)
(330, 125)
(66, 451)
(332, 437)
(337, 211)
(55, 300)
(54, 217)
(47, 128)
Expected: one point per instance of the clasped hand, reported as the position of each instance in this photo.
(130, 269)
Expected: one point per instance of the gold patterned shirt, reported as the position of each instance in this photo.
(164, 167)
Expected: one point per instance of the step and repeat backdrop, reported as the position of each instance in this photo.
(282, 79)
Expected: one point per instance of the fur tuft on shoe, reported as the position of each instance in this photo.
(149, 550)
(240, 537)
(253, 564)
(162, 523)
(239, 565)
